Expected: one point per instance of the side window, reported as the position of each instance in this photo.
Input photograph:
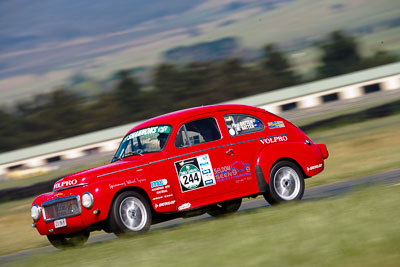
(238, 124)
(197, 132)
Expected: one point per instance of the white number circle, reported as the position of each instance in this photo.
(190, 176)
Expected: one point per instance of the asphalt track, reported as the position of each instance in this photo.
(390, 178)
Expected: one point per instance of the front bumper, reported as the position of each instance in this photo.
(77, 218)
(54, 210)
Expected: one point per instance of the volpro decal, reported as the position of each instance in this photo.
(194, 173)
(275, 139)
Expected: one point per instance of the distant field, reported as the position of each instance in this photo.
(291, 23)
(294, 24)
(358, 229)
(388, 40)
(302, 19)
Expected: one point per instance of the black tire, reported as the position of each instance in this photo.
(69, 241)
(130, 214)
(286, 183)
(225, 207)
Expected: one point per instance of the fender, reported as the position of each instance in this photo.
(311, 165)
(104, 191)
(104, 196)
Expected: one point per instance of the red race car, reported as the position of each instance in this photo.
(186, 163)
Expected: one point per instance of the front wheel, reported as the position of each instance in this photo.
(226, 207)
(68, 241)
(130, 214)
(286, 183)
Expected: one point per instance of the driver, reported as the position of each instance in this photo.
(162, 138)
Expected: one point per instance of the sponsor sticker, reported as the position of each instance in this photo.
(163, 196)
(158, 183)
(161, 191)
(184, 206)
(276, 124)
(112, 186)
(135, 180)
(206, 171)
(150, 130)
(314, 167)
(244, 125)
(233, 171)
(58, 194)
(208, 182)
(192, 176)
(167, 203)
(204, 164)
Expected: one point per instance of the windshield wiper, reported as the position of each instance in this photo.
(132, 153)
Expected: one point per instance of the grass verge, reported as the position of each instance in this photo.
(16, 233)
(359, 149)
(354, 230)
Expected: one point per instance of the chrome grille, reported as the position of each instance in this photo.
(61, 208)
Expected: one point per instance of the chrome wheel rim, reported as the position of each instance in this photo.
(287, 183)
(133, 214)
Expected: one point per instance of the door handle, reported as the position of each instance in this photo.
(229, 152)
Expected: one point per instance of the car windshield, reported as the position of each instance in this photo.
(146, 140)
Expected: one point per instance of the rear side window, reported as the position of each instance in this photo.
(238, 124)
(197, 132)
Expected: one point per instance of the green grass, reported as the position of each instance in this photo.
(355, 150)
(358, 229)
(16, 233)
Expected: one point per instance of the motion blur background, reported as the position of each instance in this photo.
(69, 68)
(73, 67)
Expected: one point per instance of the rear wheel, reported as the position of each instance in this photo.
(225, 207)
(69, 241)
(286, 183)
(130, 214)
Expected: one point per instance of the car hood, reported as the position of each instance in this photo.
(94, 174)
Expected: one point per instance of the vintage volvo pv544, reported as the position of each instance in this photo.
(200, 160)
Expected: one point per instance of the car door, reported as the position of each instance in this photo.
(245, 131)
(198, 147)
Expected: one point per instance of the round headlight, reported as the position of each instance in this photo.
(87, 200)
(35, 212)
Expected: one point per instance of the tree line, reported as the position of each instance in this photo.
(64, 113)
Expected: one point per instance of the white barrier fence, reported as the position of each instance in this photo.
(354, 85)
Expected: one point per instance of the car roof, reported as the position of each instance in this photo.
(175, 117)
